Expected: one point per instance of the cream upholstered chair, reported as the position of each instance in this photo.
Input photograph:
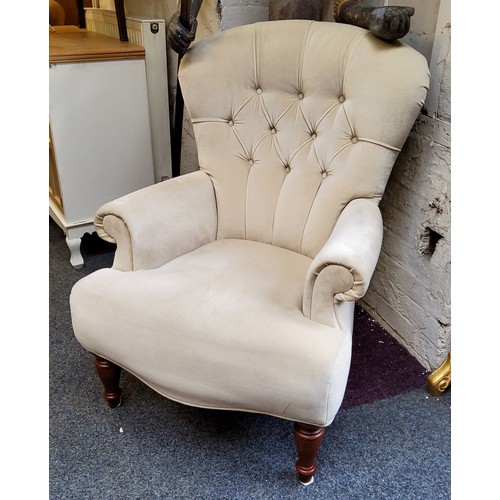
(233, 287)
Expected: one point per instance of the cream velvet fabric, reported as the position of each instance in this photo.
(294, 119)
(153, 225)
(219, 327)
(234, 287)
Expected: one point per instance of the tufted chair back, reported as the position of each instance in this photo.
(296, 119)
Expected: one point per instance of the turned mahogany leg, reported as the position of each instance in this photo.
(109, 373)
(307, 440)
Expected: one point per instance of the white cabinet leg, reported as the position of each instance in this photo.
(76, 258)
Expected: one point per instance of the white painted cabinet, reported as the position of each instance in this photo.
(100, 140)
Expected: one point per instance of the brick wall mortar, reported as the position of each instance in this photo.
(410, 292)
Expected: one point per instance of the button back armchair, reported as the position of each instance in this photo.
(233, 287)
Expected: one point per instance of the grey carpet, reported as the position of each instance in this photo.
(396, 447)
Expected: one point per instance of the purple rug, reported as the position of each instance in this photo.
(381, 367)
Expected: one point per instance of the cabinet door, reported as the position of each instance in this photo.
(99, 117)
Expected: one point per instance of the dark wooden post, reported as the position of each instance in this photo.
(121, 20)
(307, 440)
(80, 11)
(109, 373)
(185, 20)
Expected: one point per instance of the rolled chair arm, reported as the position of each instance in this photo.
(343, 268)
(160, 222)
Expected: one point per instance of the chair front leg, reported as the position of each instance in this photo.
(109, 373)
(307, 441)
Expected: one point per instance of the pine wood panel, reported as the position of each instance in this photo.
(54, 186)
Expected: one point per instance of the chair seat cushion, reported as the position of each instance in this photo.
(220, 327)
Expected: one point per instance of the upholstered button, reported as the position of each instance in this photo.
(230, 123)
(354, 140)
(273, 130)
(324, 174)
(314, 135)
(300, 96)
(250, 162)
(287, 168)
(341, 98)
(259, 91)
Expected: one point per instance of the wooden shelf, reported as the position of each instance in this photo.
(73, 44)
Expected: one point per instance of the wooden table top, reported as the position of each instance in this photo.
(73, 44)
